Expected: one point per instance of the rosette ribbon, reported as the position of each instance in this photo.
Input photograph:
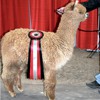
(35, 61)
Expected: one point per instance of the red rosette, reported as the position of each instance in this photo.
(35, 61)
(35, 34)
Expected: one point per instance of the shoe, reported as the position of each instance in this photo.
(93, 85)
(99, 91)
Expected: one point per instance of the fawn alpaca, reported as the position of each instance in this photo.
(57, 49)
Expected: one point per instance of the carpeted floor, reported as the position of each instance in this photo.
(80, 69)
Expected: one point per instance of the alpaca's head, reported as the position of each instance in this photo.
(78, 12)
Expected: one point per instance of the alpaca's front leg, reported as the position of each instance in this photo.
(44, 91)
(49, 83)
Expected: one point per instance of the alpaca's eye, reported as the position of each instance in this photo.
(80, 12)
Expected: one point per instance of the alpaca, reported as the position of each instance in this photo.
(57, 49)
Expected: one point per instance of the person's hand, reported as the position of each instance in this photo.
(72, 0)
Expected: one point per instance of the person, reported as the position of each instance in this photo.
(91, 5)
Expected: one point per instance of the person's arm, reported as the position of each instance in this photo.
(91, 4)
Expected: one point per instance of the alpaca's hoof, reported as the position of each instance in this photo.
(20, 89)
(12, 94)
(51, 99)
(45, 94)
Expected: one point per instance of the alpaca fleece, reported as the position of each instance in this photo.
(57, 49)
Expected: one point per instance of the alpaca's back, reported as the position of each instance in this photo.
(14, 46)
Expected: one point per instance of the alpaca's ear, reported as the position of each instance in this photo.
(60, 11)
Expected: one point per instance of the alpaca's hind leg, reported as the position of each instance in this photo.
(50, 82)
(8, 83)
(9, 73)
(18, 81)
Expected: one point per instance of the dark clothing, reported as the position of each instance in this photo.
(91, 4)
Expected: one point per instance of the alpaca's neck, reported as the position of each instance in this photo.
(67, 29)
